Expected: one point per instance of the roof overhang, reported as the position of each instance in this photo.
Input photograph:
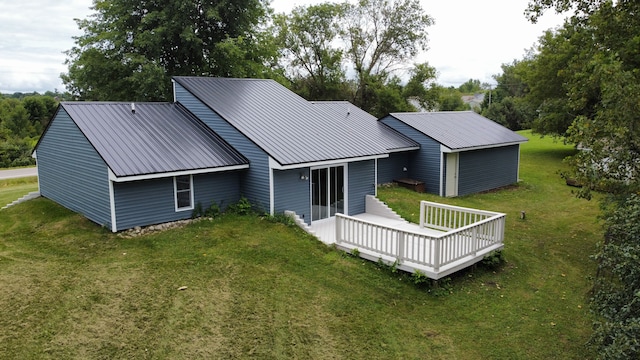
(445, 149)
(404, 149)
(276, 165)
(114, 178)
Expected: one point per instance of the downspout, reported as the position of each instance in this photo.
(375, 179)
(271, 187)
(35, 156)
(112, 202)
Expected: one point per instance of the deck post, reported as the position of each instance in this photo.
(338, 221)
(436, 255)
(474, 239)
(400, 246)
(422, 214)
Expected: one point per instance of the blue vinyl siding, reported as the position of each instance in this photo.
(147, 202)
(487, 169)
(71, 172)
(362, 182)
(255, 181)
(223, 188)
(292, 193)
(392, 167)
(424, 165)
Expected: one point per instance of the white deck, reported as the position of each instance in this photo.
(325, 229)
(466, 236)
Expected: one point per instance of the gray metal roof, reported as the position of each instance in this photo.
(367, 125)
(157, 138)
(289, 128)
(460, 130)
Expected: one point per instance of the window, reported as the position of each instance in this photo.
(183, 186)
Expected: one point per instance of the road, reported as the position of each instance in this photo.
(18, 173)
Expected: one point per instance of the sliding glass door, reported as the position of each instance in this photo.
(327, 192)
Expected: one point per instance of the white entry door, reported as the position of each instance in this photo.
(452, 174)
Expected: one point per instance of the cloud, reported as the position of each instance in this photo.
(470, 38)
(35, 35)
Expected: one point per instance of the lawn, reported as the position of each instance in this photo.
(254, 288)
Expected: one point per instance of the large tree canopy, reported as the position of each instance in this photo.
(313, 63)
(381, 35)
(356, 50)
(131, 48)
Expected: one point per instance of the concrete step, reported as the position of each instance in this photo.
(29, 196)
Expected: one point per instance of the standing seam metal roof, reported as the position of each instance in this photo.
(157, 138)
(459, 130)
(367, 124)
(289, 128)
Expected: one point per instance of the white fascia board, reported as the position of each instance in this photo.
(278, 166)
(404, 149)
(447, 150)
(444, 149)
(115, 178)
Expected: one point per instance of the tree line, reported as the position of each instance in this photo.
(581, 83)
(363, 51)
(23, 117)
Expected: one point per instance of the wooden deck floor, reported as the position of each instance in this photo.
(325, 229)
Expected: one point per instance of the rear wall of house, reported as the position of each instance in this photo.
(255, 181)
(362, 182)
(394, 166)
(487, 169)
(424, 165)
(147, 202)
(71, 172)
(291, 188)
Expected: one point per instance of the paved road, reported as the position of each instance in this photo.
(18, 173)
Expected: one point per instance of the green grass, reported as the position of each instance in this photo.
(13, 189)
(259, 289)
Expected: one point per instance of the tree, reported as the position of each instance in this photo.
(616, 294)
(130, 49)
(40, 109)
(508, 104)
(451, 100)
(381, 35)
(422, 87)
(15, 118)
(471, 86)
(314, 64)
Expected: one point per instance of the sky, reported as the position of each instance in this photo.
(470, 39)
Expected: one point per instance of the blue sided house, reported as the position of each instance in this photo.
(124, 165)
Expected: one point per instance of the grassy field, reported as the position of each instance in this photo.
(260, 289)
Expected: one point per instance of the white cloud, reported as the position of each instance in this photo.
(35, 35)
(470, 38)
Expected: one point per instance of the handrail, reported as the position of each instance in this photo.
(472, 210)
(449, 217)
(431, 250)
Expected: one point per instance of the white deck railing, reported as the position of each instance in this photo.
(467, 231)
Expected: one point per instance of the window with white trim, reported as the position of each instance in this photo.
(183, 186)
